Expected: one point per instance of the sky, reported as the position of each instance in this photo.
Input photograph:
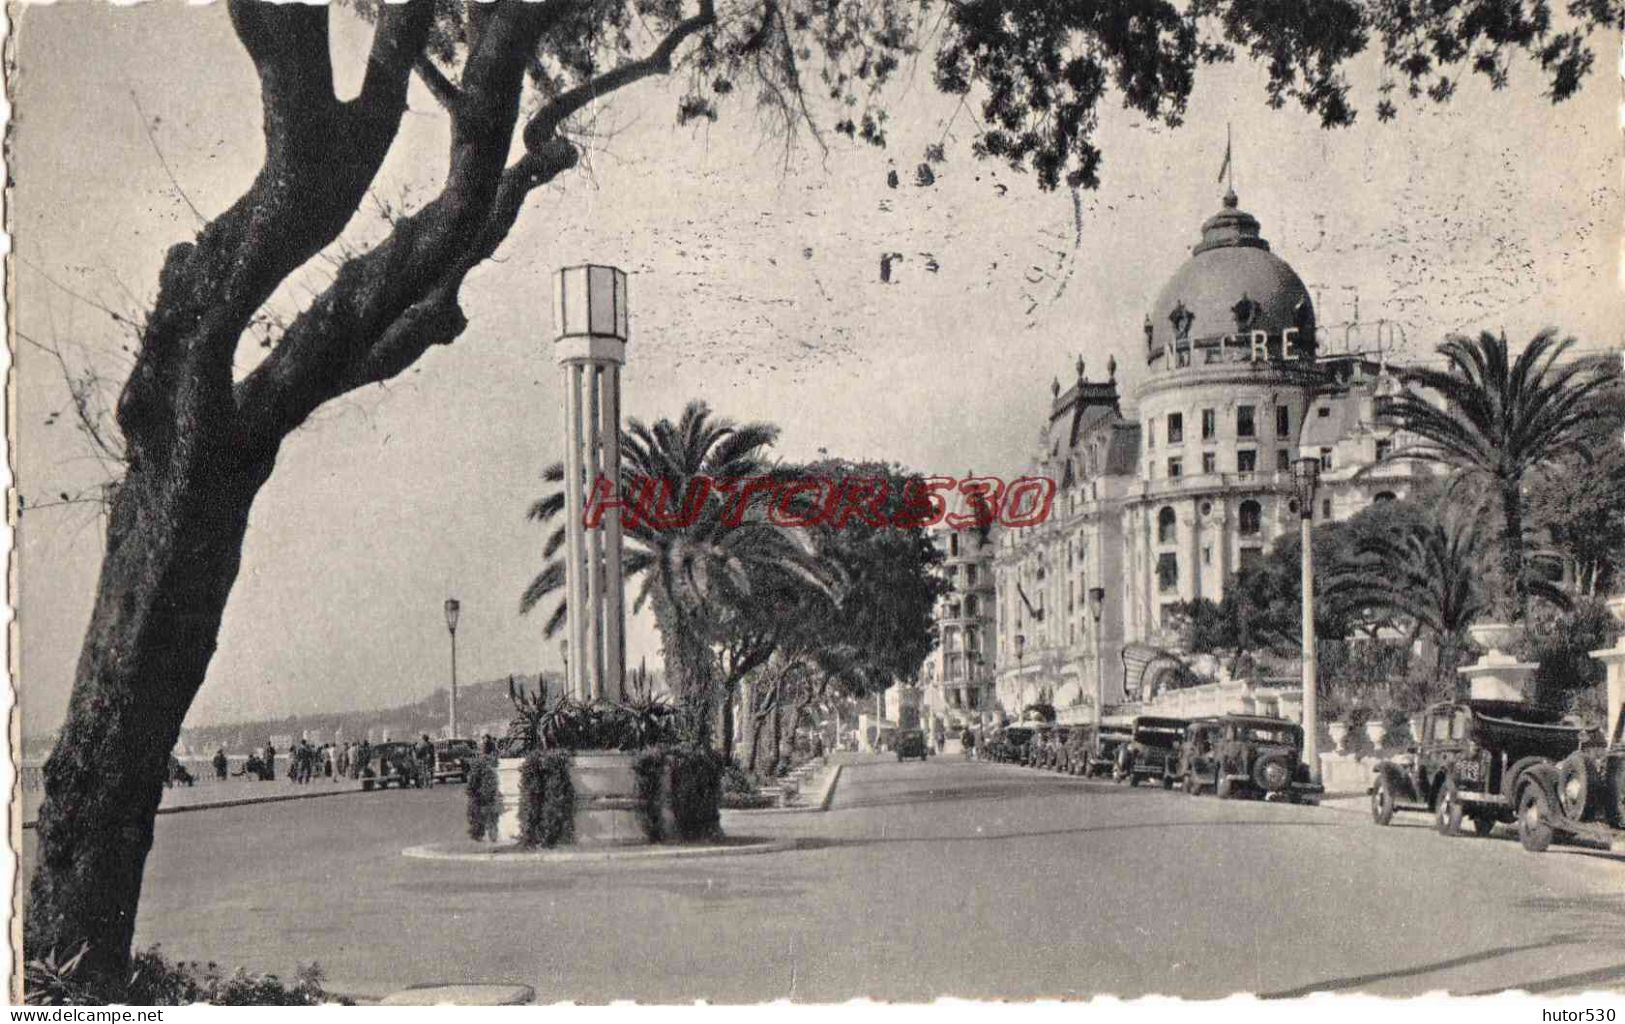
(755, 285)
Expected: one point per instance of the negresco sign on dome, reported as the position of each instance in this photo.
(1233, 300)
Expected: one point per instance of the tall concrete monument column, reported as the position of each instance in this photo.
(589, 312)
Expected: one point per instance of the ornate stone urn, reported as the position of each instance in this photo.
(1416, 722)
(1377, 732)
(1496, 676)
(1340, 735)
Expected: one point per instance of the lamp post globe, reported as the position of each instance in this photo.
(454, 611)
(1305, 481)
(1097, 605)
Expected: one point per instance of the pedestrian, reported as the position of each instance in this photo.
(939, 735)
(818, 747)
(329, 760)
(968, 742)
(488, 746)
(220, 763)
(425, 758)
(363, 758)
(342, 763)
(269, 765)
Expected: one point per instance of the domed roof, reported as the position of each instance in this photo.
(1232, 284)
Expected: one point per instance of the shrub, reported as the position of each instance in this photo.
(568, 724)
(696, 791)
(547, 799)
(1560, 641)
(650, 770)
(484, 799)
(736, 780)
(155, 981)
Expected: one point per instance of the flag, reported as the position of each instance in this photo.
(1225, 167)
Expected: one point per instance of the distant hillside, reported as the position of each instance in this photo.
(481, 707)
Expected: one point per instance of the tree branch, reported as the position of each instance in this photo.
(439, 85)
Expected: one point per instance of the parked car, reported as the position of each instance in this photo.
(1094, 749)
(911, 743)
(1017, 743)
(1581, 797)
(392, 764)
(1246, 755)
(1152, 751)
(1471, 761)
(451, 759)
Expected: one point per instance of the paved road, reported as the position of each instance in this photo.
(924, 879)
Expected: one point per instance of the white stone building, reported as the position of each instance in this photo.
(1164, 501)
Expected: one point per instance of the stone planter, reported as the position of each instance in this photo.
(1494, 637)
(1340, 735)
(1377, 733)
(606, 798)
(508, 790)
(1416, 723)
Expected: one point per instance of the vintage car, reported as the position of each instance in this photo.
(1018, 743)
(1470, 762)
(1093, 750)
(393, 764)
(1152, 751)
(1246, 755)
(1581, 797)
(911, 743)
(451, 759)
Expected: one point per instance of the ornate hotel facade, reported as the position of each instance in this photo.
(1162, 499)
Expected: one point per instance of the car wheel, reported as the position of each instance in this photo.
(1483, 824)
(1534, 817)
(1382, 801)
(1615, 806)
(1447, 811)
(1272, 773)
(1574, 785)
(1167, 782)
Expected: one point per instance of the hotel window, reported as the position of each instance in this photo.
(1176, 468)
(1176, 428)
(1167, 571)
(1326, 509)
(1384, 449)
(970, 575)
(1210, 424)
(1325, 458)
(1210, 462)
(1252, 518)
(1150, 433)
(1244, 421)
(1283, 460)
(970, 607)
(1246, 461)
(1165, 526)
(953, 545)
(1283, 421)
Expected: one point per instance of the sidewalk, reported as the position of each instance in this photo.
(231, 793)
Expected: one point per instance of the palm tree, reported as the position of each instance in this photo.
(1427, 574)
(694, 576)
(1501, 420)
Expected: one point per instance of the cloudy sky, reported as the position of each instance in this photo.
(756, 286)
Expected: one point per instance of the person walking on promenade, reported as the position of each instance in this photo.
(488, 746)
(968, 741)
(220, 763)
(270, 762)
(341, 763)
(330, 756)
(363, 758)
(425, 758)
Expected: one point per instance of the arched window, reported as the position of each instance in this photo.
(1165, 526)
(1252, 518)
(1385, 496)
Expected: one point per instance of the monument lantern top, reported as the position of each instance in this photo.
(589, 312)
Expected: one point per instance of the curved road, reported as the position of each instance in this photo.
(943, 878)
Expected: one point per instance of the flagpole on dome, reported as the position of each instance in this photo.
(1227, 170)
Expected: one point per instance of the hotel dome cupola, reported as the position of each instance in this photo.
(1233, 293)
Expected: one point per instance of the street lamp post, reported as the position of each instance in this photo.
(454, 610)
(1021, 678)
(1097, 604)
(1305, 479)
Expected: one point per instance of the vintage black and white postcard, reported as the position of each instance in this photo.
(751, 500)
